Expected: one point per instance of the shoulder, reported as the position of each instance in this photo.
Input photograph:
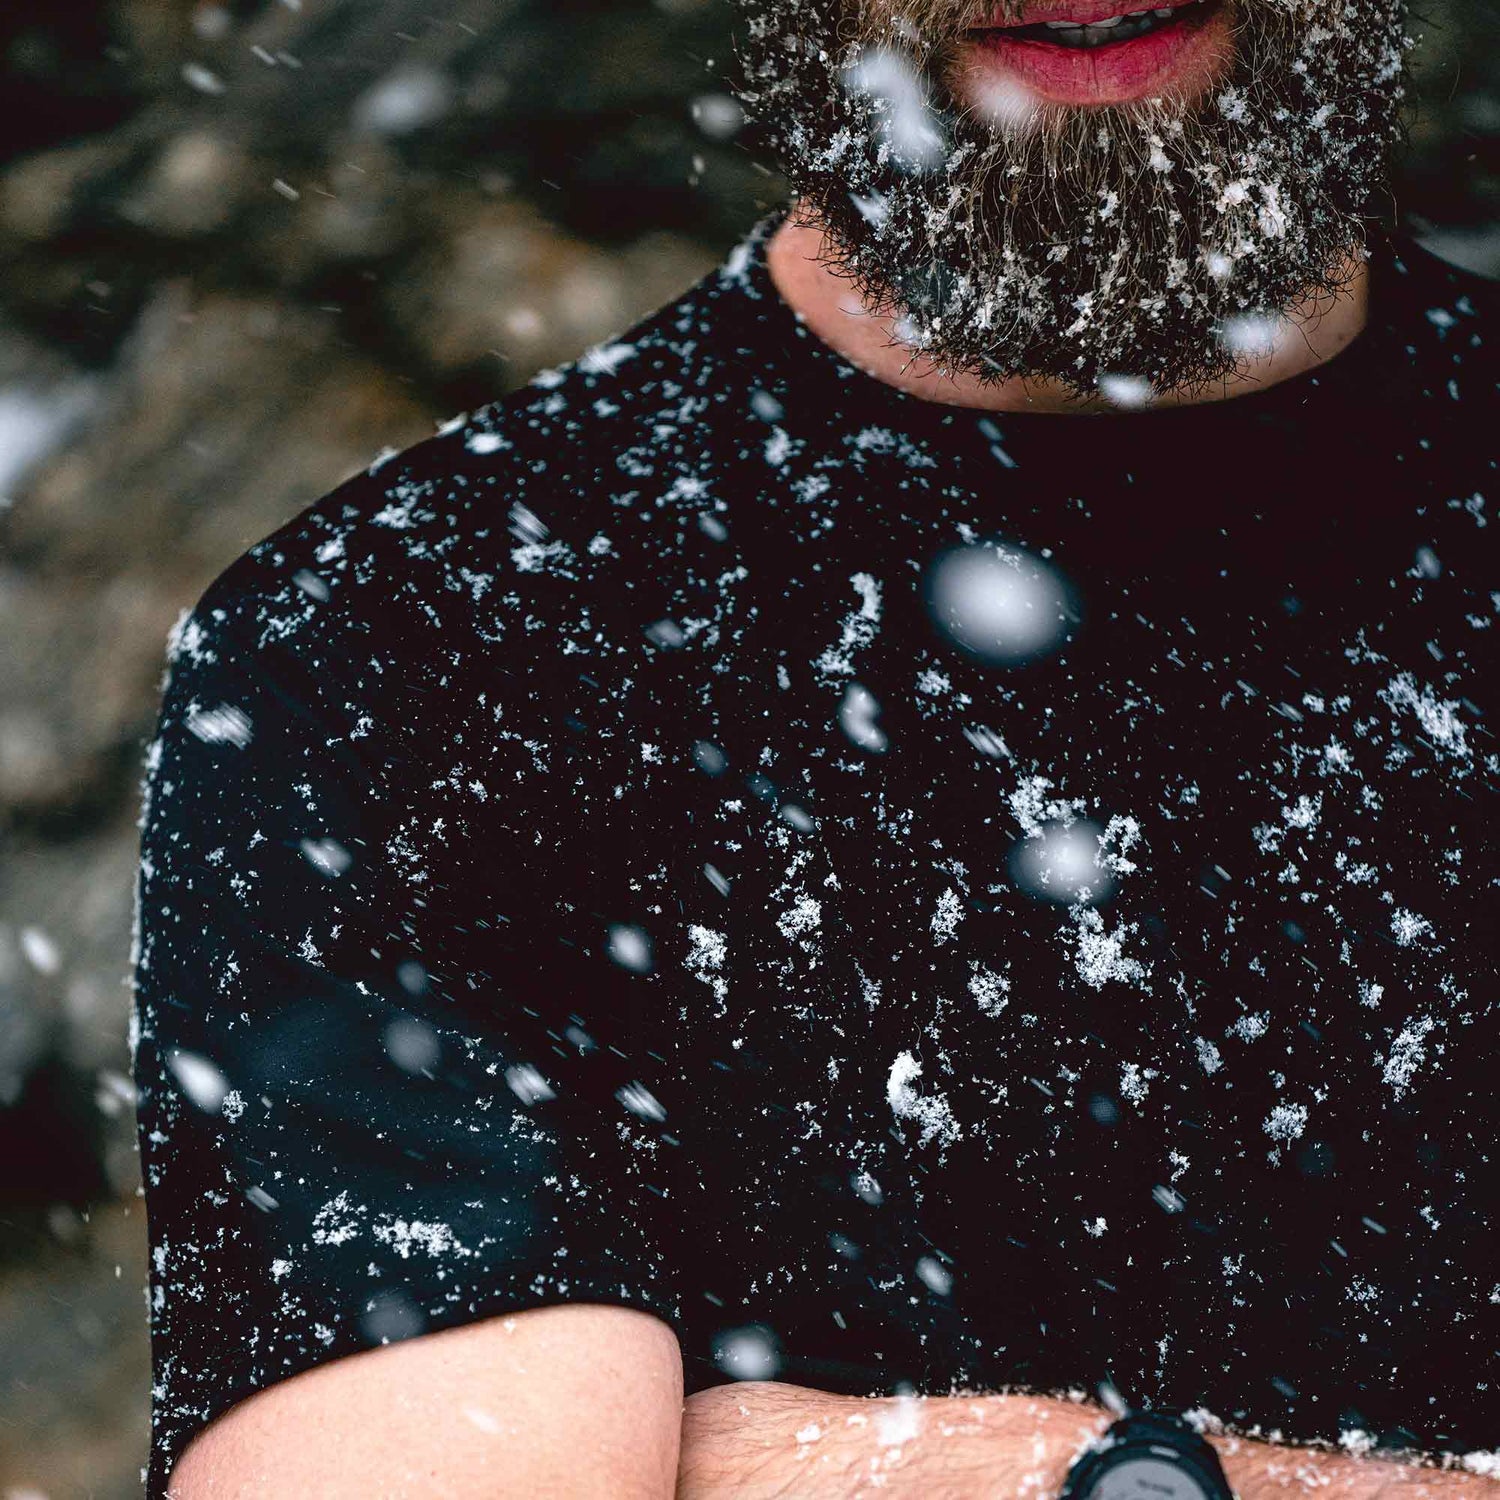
(1435, 372)
(547, 500)
(1425, 264)
(1442, 302)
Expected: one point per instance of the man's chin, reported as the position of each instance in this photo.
(1116, 203)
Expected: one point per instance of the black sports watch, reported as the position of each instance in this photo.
(1148, 1456)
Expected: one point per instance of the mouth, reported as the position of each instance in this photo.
(1081, 52)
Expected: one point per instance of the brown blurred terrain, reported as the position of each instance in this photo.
(245, 245)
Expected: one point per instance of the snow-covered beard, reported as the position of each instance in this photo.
(1149, 245)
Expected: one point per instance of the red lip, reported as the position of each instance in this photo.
(1181, 60)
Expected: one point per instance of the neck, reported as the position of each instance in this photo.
(798, 254)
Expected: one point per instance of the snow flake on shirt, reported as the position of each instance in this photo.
(1099, 956)
(860, 628)
(945, 920)
(1408, 1053)
(1409, 929)
(929, 1111)
(1438, 719)
(1032, 808)
(1286, 1122)
(705, 959)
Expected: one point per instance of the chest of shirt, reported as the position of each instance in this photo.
(1178, 930)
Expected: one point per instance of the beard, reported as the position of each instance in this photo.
(1125, 248)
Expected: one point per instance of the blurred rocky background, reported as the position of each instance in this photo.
(245, 245)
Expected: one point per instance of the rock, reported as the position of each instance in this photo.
(500, 290)
(73, 1362)
(174, 475)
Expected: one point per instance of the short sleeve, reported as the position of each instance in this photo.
(384, 1084)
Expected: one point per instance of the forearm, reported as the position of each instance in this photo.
(776, 1442)
(782, 1442)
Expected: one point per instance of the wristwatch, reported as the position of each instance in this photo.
(1148, 1456)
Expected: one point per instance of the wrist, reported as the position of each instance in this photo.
(1057, 1432)
(1260, 1470)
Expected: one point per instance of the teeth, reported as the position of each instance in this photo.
(1098, 33)
(1108, 24)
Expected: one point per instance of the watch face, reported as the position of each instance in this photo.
(1146, 1478)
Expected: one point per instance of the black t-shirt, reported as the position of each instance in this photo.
(916, 899)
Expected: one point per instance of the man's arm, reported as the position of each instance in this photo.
(563, 1401)
(775, 1442)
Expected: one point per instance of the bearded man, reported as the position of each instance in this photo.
(907, 852)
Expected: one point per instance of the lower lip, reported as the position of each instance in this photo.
(1181, 60)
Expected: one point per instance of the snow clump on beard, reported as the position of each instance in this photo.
(1123, 244)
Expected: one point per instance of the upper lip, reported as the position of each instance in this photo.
(1081, 12)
